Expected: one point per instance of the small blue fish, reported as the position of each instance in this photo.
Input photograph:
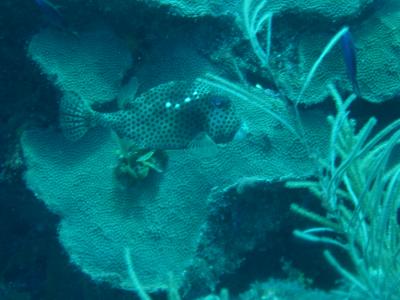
(350, 60)
(52, 14)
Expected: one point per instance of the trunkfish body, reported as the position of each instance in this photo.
(169, 116)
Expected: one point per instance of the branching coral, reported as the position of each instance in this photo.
(359, 186)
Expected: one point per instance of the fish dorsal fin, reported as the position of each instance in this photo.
(203, 146)
(127, 93)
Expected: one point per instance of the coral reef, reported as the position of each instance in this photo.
(294, 51)
(160, 220)
(135, 165)
(241, 217)
(359, 190)
(190, 213)
(378, 47)
(331, 10)
(296, 43)
(284, 290)
(91, 64)
(324, 11)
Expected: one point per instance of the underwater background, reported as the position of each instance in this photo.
(190, 149)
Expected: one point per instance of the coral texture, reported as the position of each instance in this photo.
(91, 64)
(159, 220)
(377, 43)
(331, 9)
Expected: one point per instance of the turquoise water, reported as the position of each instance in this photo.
(155, 149)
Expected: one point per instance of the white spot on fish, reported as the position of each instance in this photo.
(196, 95)
(168, 104)
(187, 99)
(177, 106)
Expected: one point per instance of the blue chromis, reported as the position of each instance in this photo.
(169, 116)
(350, 60)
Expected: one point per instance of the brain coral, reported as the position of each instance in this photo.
(291, 64)
(378, 46)
(332, 10)
(161, 219)
(377, 42)
(92, 64)
(329, 9)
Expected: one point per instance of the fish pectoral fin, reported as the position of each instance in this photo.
(203, 145)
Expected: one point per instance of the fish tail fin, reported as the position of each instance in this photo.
(76, 116)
